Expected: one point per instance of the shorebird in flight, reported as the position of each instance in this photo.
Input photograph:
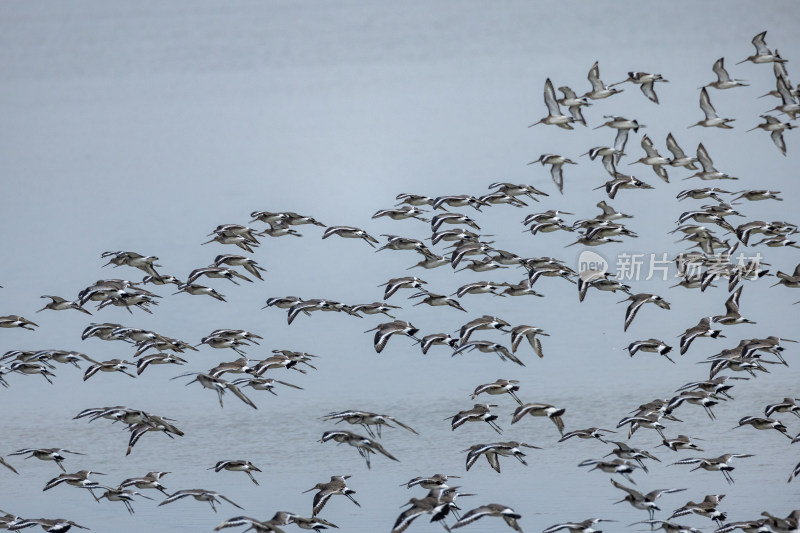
(337, 485)
(776, 129)
(493, 509)
(724, 81)
(712, 119)
(554, 115)
(599, 89)
(763, 53)
(637, 301)
(645, 82)
(201, 495)
(719, 464)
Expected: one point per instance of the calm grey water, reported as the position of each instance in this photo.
(143, 126)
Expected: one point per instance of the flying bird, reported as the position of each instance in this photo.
(645, 82)
(724, 81)
(554, 115)
(712, 119)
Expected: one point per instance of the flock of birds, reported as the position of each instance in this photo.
(710, 259)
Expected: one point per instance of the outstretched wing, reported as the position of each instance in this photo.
(239, 394)
(404, 426)
(230, 501)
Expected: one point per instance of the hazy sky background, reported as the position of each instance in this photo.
(142, 126)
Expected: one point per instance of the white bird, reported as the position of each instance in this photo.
(708, 172)
(637, 301)
(350, 233)
(789, 105)
(556, 163)
(554, 115)
(645, 82)
(776, 128)
(492, 509)
(580, 527)
(712, 119)
(200, 495)
(599, 89)
(724, 81)
(58, 303)
(763, 53)
(574, 103)
(653, 159)
(679, 158)
(527, 332)
(540, 409)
